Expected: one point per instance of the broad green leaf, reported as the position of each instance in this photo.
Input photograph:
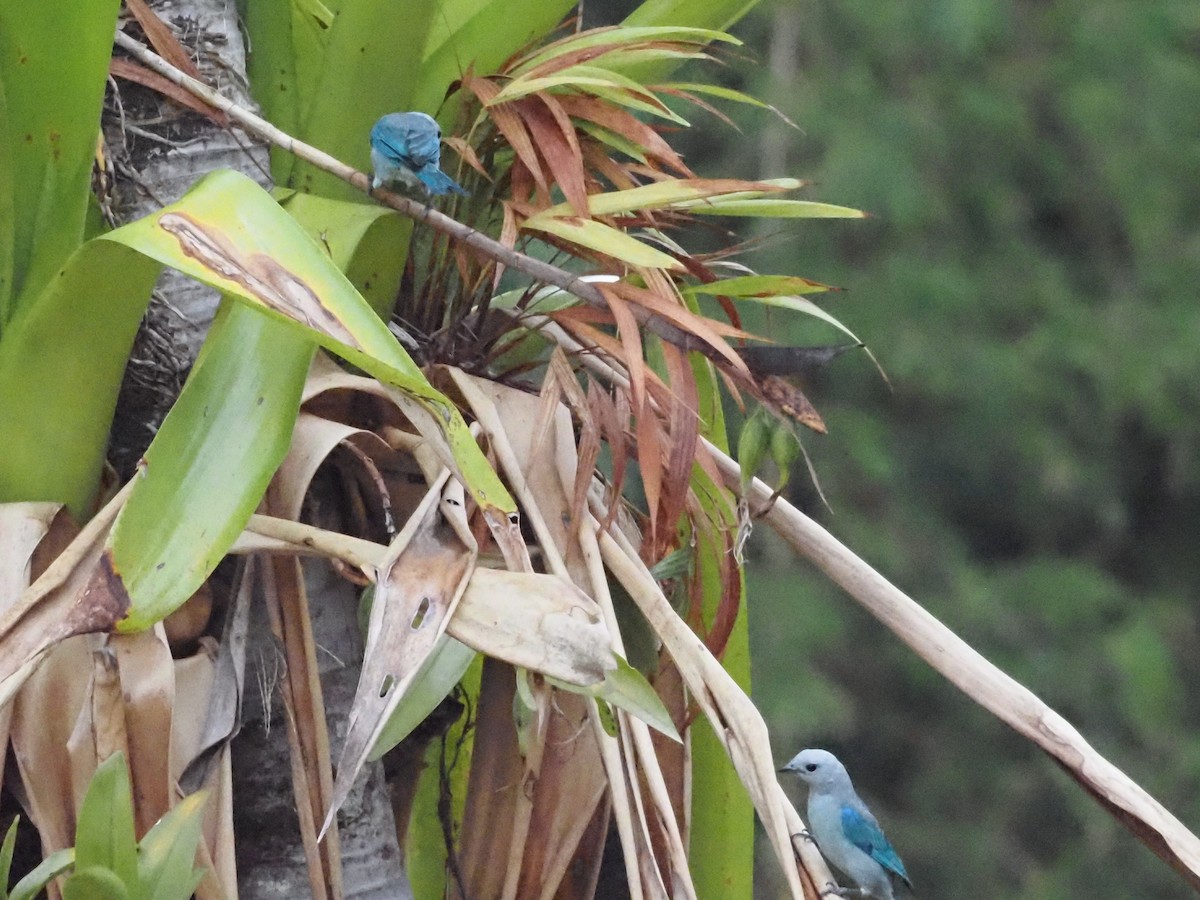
(229, 233)
(211, 461)
(443, 669)
(370, 64)
(606, 239)
(750, 286)
(8, 216)
(94, 883)
(483, 33)
(697, 16)
(48, 869)
(368, 243)
(167, 854)
(627, 688)
(50, 117)
(214, 455)
(104, 832)
(61, 363)
(274, 32)
(775, 209)
(673, 192)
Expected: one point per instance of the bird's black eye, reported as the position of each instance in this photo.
(811, 767)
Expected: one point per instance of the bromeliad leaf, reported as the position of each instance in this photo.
(679, 193)
(613, 40)
(606, 239)
(759, 287)
(774, 209)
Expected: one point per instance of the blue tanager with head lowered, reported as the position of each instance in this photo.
(406, 148)
(845, 831)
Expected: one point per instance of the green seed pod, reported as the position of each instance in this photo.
(752, 444)
(785, 450)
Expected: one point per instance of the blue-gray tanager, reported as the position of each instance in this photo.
(407, 148)
(844, 829)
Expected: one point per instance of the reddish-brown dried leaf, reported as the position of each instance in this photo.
(596, 159)
(588, 453)
(468, 155)
(700, 102)
(592, 315)
(624, 123)
(730, 604)
(685, 436)
(557, 145)
(496, 779)
(132, 71)
(505, 117)
(650, 465)
(162, 38)
(613, 428)
(631, 340)
(707, 330)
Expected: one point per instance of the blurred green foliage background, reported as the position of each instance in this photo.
(1030, 283)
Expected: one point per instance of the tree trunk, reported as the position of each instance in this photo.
(156, 151)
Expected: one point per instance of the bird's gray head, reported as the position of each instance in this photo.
(428, 120)
(818, 768)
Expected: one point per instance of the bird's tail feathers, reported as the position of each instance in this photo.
(438, 182)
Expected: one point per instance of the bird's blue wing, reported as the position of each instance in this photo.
(390, 138)
(424, 146)
(864, 832)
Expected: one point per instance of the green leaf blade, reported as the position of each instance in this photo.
(604, 238)
(104, 832)
(211, 461)
(167, 854)
(51, 115)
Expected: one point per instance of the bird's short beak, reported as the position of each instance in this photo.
(784, 769)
